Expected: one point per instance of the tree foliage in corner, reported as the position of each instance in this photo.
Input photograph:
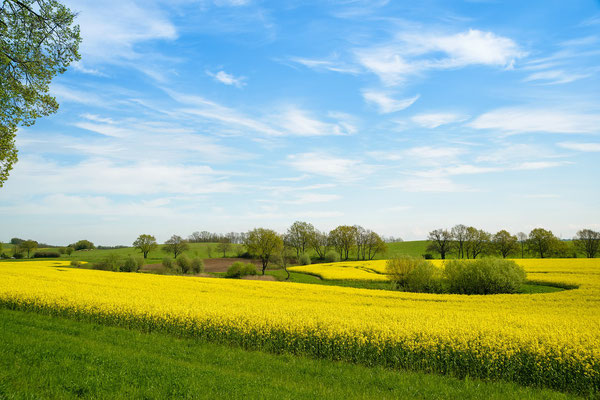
(37, 41)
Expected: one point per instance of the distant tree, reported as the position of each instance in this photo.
(195, 237)
(145, 243)
(83, 245)
(209, 250)
(263, 243)
(477, 242)
(541, 242)
(38, 40)
(522, 237)
(505, 243)
(175, 245)
(224, 246)
(361, 239)
(286, 252)
(588, 242)
(299, 236)
(319, 242)
(69, 250)
(28, 245)
(441, 241)
(343, 240)
(373, 244)
(459, 236)
(16, 241)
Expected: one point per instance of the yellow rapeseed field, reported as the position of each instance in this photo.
(550, 339)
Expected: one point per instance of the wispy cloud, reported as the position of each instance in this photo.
(534, 120)
(228, 79)
(434, 120)
(344, 169)
(413, 53)
(585, 147)
(385, 103)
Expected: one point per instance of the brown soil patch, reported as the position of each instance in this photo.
(153, 268)
(221, 264)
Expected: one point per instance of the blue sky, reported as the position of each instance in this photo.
(402, 117)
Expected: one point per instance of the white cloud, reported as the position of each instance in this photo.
(324, 164)
(228, 79)
(585, 147)
(385, 103)
(532, 120)
(111, 29)
(325, 65)
(288, 121)
(413, 53)
(433, 120)
(299, 122)
(555, 77)
(107, 177)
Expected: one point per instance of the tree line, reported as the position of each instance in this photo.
(469, 242)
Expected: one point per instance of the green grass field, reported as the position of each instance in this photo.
(52, 358)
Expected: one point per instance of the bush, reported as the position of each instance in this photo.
(428, 256)
(130, 265)
(184, 264)
(304, 259)
(239, 269)
(484, 276)
(75, 263)
(332, 256)
(45, 254)
(110, 263)
(197, 266)
(249, 269)
(18, 256)
(167, 263)
(413, 274)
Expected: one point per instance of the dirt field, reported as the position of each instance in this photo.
(210, 265)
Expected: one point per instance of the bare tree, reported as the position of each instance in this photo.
(588, 241)
(319, 242)
(441, 240)
(459, 235)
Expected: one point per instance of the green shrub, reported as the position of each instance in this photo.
(428, 256)
(413, 274)
(75, 263)
(18, 256)
(45, 254)
(184, 265)
(197, 265)
(110, 263)
(424, 278)
(167, 263)
(484, 276)
(332, 256)
(249, 269)
(304, 259)
(130, 265)
(239, 269)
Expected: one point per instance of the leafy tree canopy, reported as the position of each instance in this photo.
(37, 41)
